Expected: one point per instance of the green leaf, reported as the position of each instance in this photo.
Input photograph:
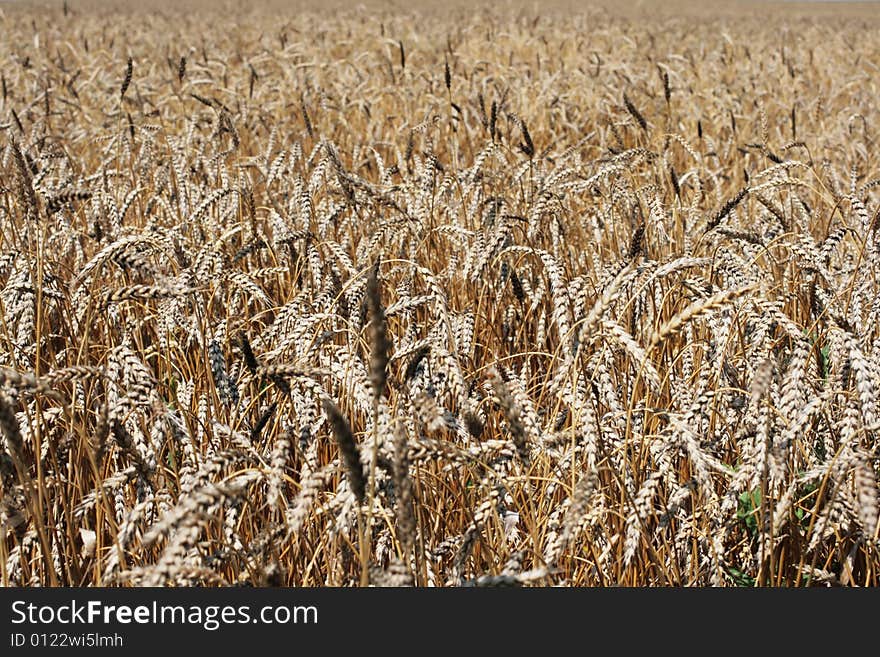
(740, 578)
(749, 503)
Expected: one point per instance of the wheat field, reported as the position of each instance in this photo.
(353, 296)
